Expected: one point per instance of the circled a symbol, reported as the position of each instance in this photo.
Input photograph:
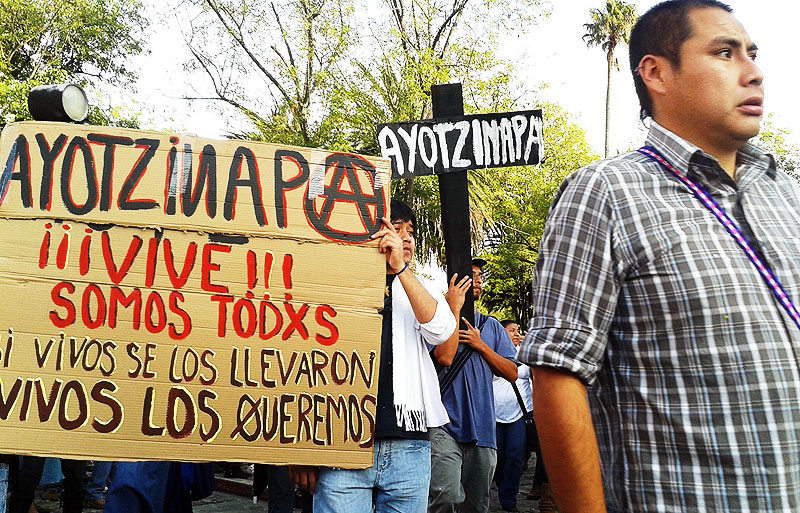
(347, 186)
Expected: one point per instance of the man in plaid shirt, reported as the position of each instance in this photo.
(666, 373)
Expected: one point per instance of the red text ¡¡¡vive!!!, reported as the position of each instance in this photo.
(95, 306)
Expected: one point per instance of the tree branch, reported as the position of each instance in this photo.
(449, 24)
(221, 95)
(240, 41)
(283, 36)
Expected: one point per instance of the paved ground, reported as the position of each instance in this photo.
(236, 499)
(220, 502)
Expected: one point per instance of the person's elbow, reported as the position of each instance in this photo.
(443, 357)
(511, 371)
(440, 328)
(556, 385)
(506, 370)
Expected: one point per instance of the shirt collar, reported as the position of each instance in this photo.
(684, 155)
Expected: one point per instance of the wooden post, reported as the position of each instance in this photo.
(447, 102)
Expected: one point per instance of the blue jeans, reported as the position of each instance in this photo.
(3, 486)
(397, 481)
(510, 453)
(100, 475)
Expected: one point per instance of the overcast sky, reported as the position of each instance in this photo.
(553, 54)
(576, 75)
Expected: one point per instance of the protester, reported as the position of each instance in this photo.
(234, 470)
(52, 480)
(24, 489)
(408, 403)
(540, 486)
(158, 486)
(102, 471)
(540, 489)
(510, 426)
(463, 452)
(4, 461)
(644, 296)
(281, 489)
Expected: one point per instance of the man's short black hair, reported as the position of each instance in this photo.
(506, 322)
(403, 213)
(661, 31)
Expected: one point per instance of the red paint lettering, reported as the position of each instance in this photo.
(319, 316)
(59, 300)
(208, 266)
(174, 334)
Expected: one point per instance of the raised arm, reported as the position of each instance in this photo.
(391, 245)
(422, 302)
(500, 365)
(444, 353)
(568, 441)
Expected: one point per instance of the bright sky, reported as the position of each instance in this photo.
(552, 53)
(576, 75)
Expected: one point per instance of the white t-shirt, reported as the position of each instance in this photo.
(506, 406)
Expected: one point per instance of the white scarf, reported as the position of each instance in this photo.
(407, 378)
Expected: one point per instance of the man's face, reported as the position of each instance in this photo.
(477, 281)
(716, 95)
(406, 232)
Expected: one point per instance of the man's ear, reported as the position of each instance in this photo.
(655, 72)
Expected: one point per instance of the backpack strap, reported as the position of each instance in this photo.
(446, 380)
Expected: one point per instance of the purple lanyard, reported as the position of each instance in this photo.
(711, 204)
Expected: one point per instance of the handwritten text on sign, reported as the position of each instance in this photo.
(180, 331)
(459, 144)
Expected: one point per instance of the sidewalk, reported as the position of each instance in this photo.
(235, 495)
(227, 499)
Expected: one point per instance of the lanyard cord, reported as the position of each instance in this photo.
(706, 199)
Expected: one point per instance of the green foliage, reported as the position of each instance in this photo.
(611, 27)
(419, 44)
(272, 61)
(774, 139)
(81, 41)
(414, 44)
(520, 201)
(330, 82)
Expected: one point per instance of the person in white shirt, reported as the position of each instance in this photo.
(408, 398)
(511, 438)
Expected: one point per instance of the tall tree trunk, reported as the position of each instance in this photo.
(610, 56)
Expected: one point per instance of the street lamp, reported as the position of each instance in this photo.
(61, 102)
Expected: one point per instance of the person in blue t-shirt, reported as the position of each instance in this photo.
(463, 452)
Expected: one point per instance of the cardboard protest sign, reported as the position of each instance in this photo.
(173, 298)
(446, 145)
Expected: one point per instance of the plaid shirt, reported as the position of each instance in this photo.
(693, 365)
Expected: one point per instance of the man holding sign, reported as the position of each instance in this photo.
(408, 402)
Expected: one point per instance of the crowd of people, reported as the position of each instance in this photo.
(664, 340)
(435, 432)
(435, 438)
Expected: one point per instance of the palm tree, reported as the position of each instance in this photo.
(608, 29)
